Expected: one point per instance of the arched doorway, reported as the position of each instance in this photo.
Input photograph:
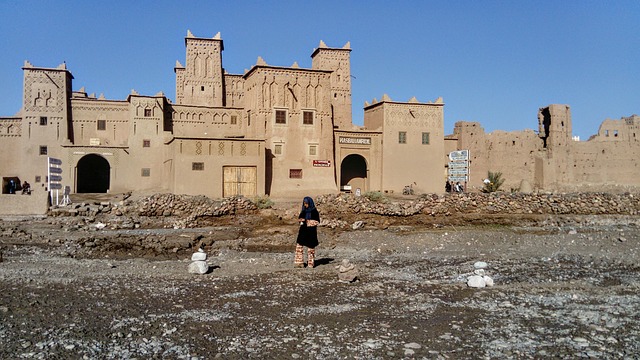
(353, 171)
(92, 174)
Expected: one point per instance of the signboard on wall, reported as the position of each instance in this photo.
(322, 163)
(355, 140)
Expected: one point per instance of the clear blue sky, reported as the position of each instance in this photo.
(495, 62)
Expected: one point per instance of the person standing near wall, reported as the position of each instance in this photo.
(309, 219)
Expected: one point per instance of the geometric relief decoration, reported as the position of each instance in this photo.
(198, 147)
(243, 149)
(221, 148)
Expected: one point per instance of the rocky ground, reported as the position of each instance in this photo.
(110, 283)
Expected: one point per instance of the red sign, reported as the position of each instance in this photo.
(322, 163)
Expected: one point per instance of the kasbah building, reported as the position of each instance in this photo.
(284, 132)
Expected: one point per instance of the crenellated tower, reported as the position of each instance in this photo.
(200, 81)
(339, 62)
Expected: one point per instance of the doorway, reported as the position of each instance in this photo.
(92, 174)
(353, 172)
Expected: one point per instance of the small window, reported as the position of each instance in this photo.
(295, 173)
(43, 150)
(313, 150)
(615, 133)
(102, 124)
(249, 118)
(281, 117)
(425, 138)
(197, 166)
(43, 120)
(146, 143)
(402, 137)
(606, 133)
(201, 88)
(146, 172)
(234, 119)
(277, 149)
(147, 112)
(307, 117)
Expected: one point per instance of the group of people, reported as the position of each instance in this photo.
(12, 186)
(449, 186)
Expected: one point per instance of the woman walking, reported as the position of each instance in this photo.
(309, 219)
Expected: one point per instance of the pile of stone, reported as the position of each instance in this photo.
(186, 205)
(491, 203)
(199, 263)
(479, 279)
(84, 209)
(347, 272)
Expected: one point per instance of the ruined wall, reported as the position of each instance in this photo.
(550, 159)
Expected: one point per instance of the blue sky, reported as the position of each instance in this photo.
(495, 62)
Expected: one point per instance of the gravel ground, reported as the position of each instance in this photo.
(565, 287)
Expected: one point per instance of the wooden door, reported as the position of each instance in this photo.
(240, 180)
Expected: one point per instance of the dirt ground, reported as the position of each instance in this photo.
(565, 287)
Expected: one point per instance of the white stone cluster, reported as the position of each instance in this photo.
(199, 263)
(479, 279)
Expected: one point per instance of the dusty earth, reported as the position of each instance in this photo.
(565, 287)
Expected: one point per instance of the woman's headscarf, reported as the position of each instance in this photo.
(311, 207)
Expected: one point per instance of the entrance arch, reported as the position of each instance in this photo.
(92, 174)
(353, 171)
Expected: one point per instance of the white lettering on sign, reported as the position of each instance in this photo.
(354, 140)
(322, 163)
(459, 155)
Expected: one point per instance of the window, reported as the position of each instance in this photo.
(102, 124)
(295, 173)
(43, 150)
(43, 120)
(197, 166)
(425, 138)
(146, 172)
(307, 117)
(147, 112)
(146, 143)
(402, 137)
(38, 179)
(313, 149)
(277, 149)
(201, 88)
(234, 119)
(281, 116)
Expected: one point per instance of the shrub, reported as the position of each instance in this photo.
(494, 183)
(375, 196)
(263, 202)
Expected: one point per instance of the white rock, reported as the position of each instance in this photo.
(476, 281)
(199, 256)
(479, 272)
(487, 280)
(480, 265)
(100, 226)
(357, 225)
(198, 267)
